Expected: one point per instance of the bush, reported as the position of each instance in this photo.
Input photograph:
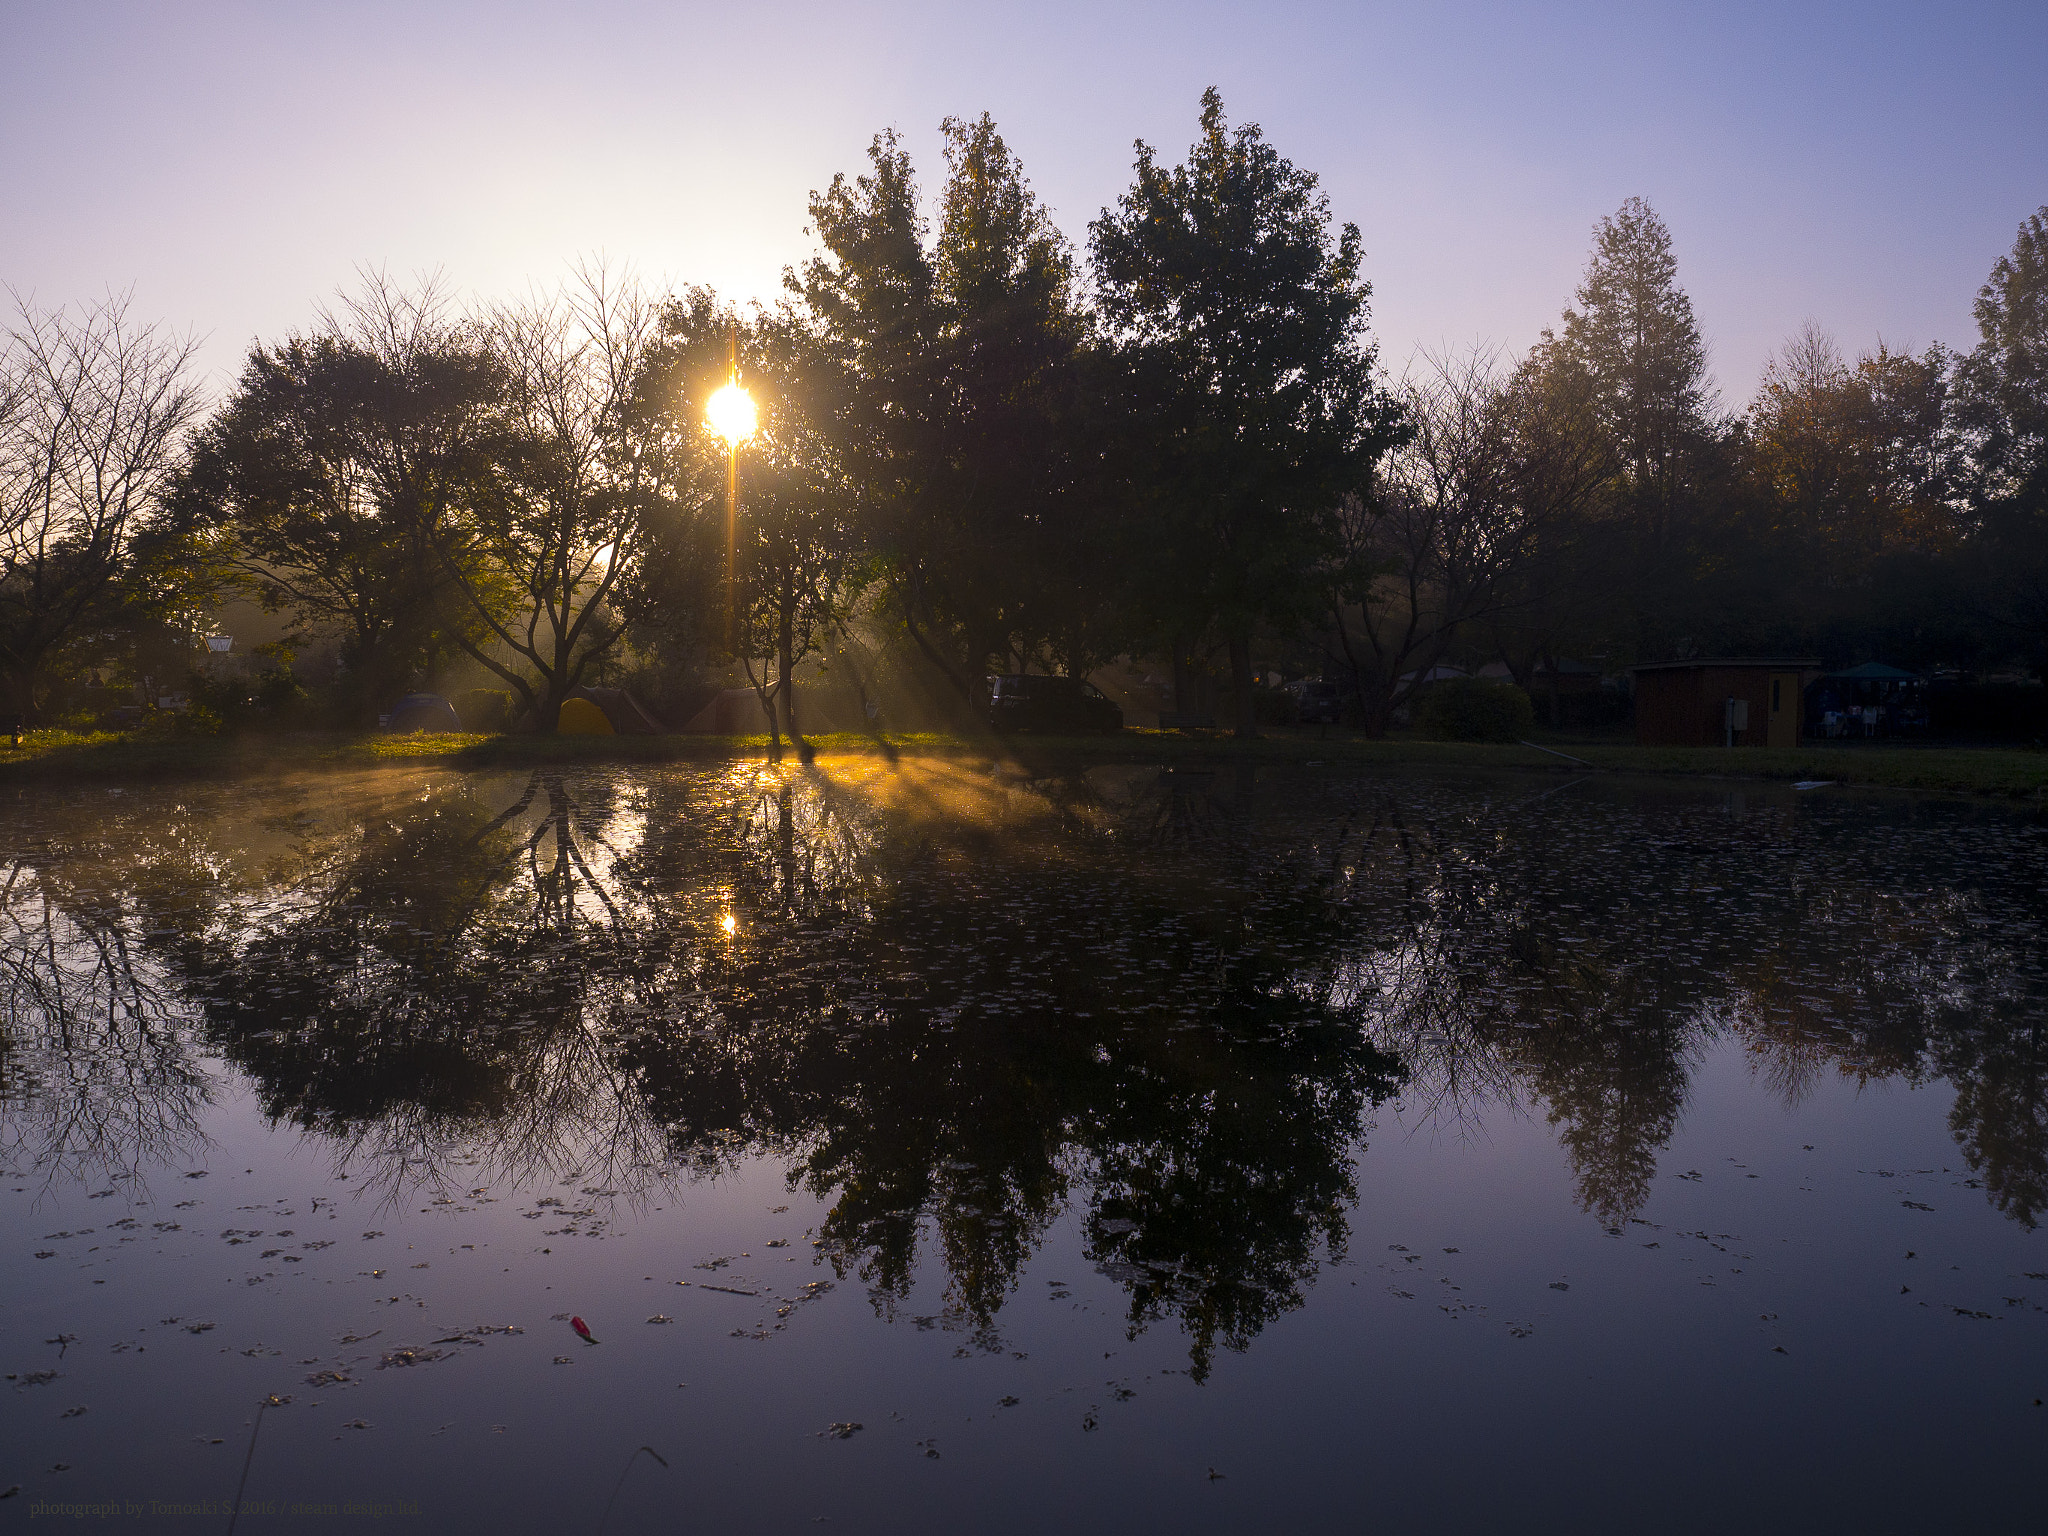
(486, 711)
(1476, 709)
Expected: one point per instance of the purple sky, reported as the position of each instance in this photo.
(1862, 165)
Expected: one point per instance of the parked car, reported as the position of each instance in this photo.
(1317, 702)
(1029, 702)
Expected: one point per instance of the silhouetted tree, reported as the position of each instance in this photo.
(570, 499)
(1253, 406)
(333, 463)
(2002, 400)
(956, 353)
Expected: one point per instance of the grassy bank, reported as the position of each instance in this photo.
(61, 757)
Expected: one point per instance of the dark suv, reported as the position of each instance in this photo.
(1021, 702)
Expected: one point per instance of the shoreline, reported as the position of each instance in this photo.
(54, 757)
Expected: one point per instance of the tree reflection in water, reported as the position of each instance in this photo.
(958, 1004)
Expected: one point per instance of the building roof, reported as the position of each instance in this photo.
(1700, 663)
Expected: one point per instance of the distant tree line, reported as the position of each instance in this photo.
(999, 453)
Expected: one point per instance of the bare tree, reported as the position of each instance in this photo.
(566, 509)
(93, 407)
(1489, 480)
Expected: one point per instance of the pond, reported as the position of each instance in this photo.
(933, 1146)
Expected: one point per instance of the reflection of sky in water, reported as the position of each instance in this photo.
(1318, 1112)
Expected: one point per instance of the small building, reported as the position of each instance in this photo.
(1740, 701)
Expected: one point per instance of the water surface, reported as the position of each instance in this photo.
(934, 1148)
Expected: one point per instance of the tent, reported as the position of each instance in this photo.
(580, 717)
(626, 714)
(1875, 672)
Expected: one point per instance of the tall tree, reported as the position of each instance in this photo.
(956, 350)
(1634, 350)
(2002, 407)
(1242, 318)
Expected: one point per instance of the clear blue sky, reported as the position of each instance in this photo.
(1859, 164)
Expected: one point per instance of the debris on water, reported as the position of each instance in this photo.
(1559, 1285)
(582, 1330)
(358, 1424)
(845, 1431)
(1215, 1476)
(1088, 1420)
(73, 1413)
(563, 1360)
(410, 1355)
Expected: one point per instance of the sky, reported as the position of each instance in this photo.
(1859, 165)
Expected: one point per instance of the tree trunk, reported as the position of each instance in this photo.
(21, 693)
(1241, 683)
(784, 643)
(547, 714)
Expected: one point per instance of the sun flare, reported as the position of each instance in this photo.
(732, 415)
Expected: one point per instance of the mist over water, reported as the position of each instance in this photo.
(927, 1146)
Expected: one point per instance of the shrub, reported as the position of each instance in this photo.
(1476, 709)
(487, 711)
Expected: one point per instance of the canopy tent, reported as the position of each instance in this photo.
(1874, 672)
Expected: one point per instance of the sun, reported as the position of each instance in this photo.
(732, 415)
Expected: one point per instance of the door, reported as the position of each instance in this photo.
(1782, 728)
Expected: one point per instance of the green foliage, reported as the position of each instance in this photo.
(1476, 709)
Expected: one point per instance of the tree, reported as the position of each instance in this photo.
(957, 358)
(1254, 406)
(2002, 408)
(1486, 481)
(570, 496)
(1633, 349)
(334, 461)
(796, 540)
(93, 409)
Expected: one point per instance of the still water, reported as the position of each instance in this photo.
(936, 1148)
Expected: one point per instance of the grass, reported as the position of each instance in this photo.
(63, 756)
